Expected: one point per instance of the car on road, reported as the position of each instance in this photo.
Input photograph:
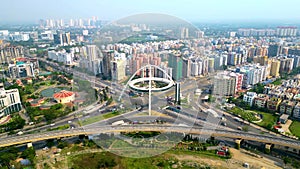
(236, 119)
(53, 124)
(69, 121)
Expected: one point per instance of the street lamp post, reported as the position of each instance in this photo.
(149, 89)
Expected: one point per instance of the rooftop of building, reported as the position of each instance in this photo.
(63, 94)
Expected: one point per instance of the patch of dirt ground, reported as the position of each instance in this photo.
(239, 157)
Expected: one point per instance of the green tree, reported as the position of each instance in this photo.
(29, 153)
(245, 128)
(211, 98)
(105, 97)
(50, 143)
(62, 144)
(258, 88)
(286, 160)
(107, 162)
(16, 123)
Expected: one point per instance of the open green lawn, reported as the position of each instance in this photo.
(64, 127)
(99, 117)
(245, 114)
(112, 114)
(268, 120)
(185, 100)
(109, 160)
(295, 128)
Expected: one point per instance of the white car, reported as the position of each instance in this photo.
(69, 122)
(53, 124)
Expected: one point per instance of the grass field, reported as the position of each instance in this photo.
(247, 115)
(99, 117)
(206, 154)
(91, 120)
(268, 120)
(295, 128)
(166, 160)
(112, 114)
(64, 127)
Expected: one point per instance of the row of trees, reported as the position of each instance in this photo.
(16, 122)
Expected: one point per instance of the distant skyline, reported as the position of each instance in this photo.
(30, 11)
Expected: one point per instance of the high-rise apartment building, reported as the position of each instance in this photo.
(118, 69)
(108, 57)
(275, 66)
(289, 31)
(253, 74)
(184, 33)
(21, 70)
(65, 39)
(274, 50)
(176, 63)
(286, 64)
(262, 60)
(224, 85)
(61, 56)
(8, 53)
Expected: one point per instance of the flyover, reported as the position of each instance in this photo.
(9, 141)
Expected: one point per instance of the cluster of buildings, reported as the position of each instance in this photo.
(256, 32)
(14, 36)
(23, 68)
(190, 58)
(15, 65)
(9, 52)
(284, 98)
(260, 71)
(90, 58)
(87, 57)
(62, 56)
(279, 64)
(280, 31)
(228, 83)
(48, 37)
(92, 22)
(62, 38)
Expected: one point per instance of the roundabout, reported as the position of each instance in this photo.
(133, 84)
(145, 83)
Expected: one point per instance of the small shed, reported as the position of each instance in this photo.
(283, 118)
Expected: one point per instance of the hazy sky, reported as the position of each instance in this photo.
(191, 10)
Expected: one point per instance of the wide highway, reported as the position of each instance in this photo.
(9, 141)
